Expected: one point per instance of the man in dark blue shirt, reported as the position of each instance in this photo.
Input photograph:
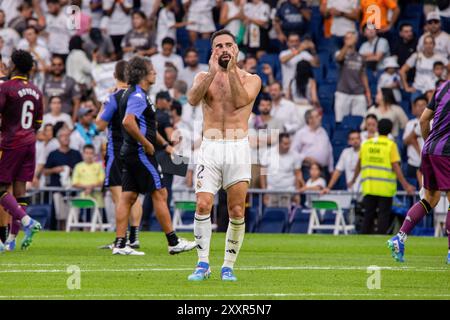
(140, 172)
(292, 16)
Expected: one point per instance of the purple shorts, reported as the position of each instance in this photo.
(436, 172)
(17, 164)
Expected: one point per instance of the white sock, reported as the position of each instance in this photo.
(25, 221)
(11, 237)
(202, 234)
(403, 236)
(233, 241)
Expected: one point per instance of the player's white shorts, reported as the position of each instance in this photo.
(222, 163)
(203, 21)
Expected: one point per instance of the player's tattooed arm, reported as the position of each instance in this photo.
(130, 125)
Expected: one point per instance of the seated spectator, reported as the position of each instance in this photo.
(257, 22)
(167, 25)
(405, 46)
(45, 144)
(85, 132)
(390, 78)
(116, 19)
(232, 17)
(265, 132)
(160, 61)
(297, 51)
(61, 162)
(170, 76)
(315, 181)
(347, 163)
(200, 18)
(292, 16)
(343, 15)
(386, 108)
(284, 110)
(374, 50)
(57, 83)
(313, 144)
(78, 65)
(412, 138)
(99, 44)
(55, 115)
(10, 39)
(441, 38)
(353, 93)
(89, 175)
(188, 73)
(423, 62)
(303, 87)
(283, 173)
(140, 40)
(37, 48)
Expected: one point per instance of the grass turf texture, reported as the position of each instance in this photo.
(269, 267)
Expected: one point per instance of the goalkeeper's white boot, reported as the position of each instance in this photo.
(127, 251)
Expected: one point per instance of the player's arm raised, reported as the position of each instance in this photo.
(203, 80)
(243, 93)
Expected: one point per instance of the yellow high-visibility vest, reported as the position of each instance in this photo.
(377, 176)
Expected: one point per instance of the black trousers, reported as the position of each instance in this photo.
(372, 204)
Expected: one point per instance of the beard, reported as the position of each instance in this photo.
(265, 113)
(223, 63)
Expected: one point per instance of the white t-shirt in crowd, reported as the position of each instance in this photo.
(442, 44)
(281, 173)
(166, 21)
(234, 25)
(288, 68)
(317, 183)
(413, 125)
(10, 9)
(424, 79)
(188, 75)
(51, 119)
(59, 33)
(43, 150)
(386, 80)
(10, 41)
(119, 23)
(347, 163)
(382, 46)
(288, 114)
(341, 25)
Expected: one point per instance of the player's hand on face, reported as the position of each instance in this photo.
(233, 60)
(214, 61)
(149, 149)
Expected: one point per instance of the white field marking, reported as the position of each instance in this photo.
(267, 268)
(236, 295)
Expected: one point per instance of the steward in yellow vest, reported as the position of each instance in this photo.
(379, 164)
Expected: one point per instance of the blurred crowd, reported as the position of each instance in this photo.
(328, 77)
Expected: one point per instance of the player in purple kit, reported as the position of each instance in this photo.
(435, 168)
(21, 110)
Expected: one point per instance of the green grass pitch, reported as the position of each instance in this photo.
(269, 267)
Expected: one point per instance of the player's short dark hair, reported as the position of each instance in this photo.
(283, 135)
(422, 97)
(372, 116)
(137, 70)
(23, 61)
(220, 33)
(120, 70)
(139, 13)
(177, 107)
(88, 146)
(385, 127)
(168, 40)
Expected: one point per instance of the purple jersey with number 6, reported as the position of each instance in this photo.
(21, 111)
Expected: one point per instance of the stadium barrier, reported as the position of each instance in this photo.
(258, 203)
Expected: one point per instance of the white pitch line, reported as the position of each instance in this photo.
(267, 268)
(237, 295)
